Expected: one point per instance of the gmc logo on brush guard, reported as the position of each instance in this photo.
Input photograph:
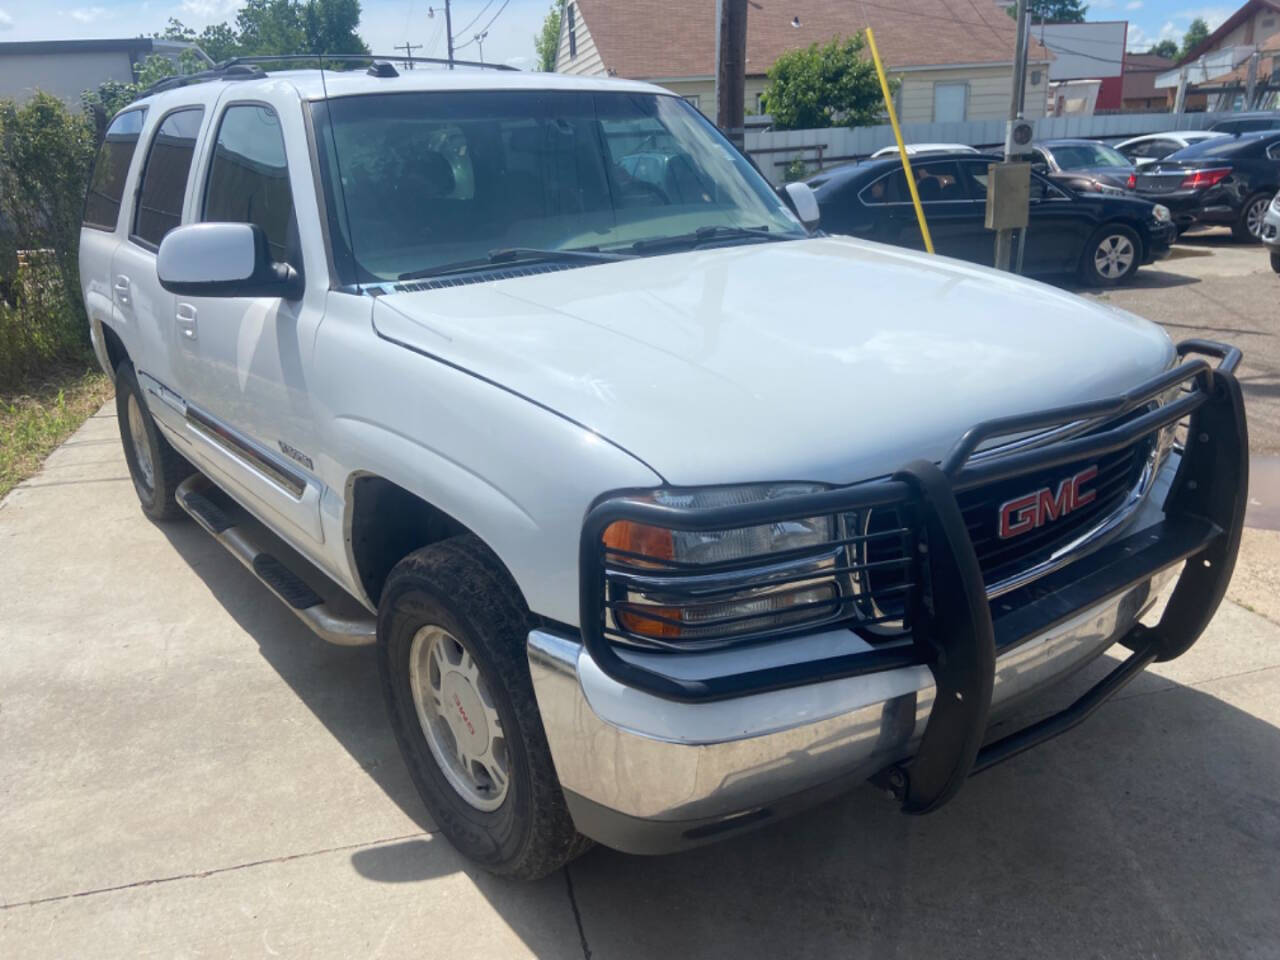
(1024, 514)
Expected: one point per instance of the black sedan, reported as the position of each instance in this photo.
(1102, 238)
(1087, 165)
(1227, 180)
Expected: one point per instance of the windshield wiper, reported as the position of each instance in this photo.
(517, 255)
(705, 235)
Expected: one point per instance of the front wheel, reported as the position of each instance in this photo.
(1248, 226)
(1110, 257)
(1275, 260)
(452, 629)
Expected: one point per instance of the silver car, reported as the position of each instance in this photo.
(1270, 234)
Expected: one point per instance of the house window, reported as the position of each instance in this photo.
(949, 102)
(694, 99)
(1035, 78)
(573, 32)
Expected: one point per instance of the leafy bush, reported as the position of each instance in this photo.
(45, 154)
(827, 86)
(796, 169)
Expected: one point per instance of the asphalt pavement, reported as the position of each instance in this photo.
(185, 771)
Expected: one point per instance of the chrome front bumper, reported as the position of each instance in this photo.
(686, 766)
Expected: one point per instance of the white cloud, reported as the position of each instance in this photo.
(88, 14)
(211, 10)
(6, 21)
(1133, 5)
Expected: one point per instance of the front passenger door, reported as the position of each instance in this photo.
(248, 402)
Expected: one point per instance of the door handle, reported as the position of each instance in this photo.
(121, 288)
(187, 320)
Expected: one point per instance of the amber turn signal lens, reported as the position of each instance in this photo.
(640, 538)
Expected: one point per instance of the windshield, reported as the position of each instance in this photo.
(1082, 156)
(431, 180)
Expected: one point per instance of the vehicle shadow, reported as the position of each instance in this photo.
(1144, 279)
(1151, 830)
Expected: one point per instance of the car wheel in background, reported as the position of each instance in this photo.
(1111, 256)
(1249, 226)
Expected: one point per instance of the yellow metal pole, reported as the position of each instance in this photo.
(897, 133)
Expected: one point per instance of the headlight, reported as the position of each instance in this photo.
(681, 588)
(1161, 213)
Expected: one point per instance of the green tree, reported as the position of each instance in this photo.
(547, 41)
(828, 86)
(1053, 11)
(1165, 48)
(1196, 34)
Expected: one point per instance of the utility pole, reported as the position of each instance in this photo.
(1017, 94)
(1251, 84)
(448, 31)
(479, 38)
(1180, 98)
(408, 49)
(731, 68)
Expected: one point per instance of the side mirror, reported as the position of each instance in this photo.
(223, 260)
(804, 204)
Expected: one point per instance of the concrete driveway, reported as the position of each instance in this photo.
(186, 772)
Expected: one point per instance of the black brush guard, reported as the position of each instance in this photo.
(953, 631)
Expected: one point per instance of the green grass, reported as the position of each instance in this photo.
(38, 415)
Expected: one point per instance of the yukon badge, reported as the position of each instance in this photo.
(1024, 514)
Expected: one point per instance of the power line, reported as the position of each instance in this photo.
(486, 26)
(463, 30)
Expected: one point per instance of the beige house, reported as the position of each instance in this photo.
(66, 68)
(1219, 68)
(954, 57)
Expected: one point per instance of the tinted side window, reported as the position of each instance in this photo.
(249, 178)
(106, 186)
(164, 177)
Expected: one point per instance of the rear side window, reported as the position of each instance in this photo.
(249, 178)
(110, 170)
(164, 178)
(935, 182)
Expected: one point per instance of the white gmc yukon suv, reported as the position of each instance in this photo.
(668, 514)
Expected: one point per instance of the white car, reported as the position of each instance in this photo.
(668, 515)
(1151, 147)
(918, 149)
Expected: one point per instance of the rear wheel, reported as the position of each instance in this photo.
(155, 467)
(1111, 256)
(452, 629)
(1249, 225)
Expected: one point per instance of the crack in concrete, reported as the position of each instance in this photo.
(202, 874)
(577, 914)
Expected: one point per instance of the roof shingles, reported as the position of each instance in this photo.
(665, 39)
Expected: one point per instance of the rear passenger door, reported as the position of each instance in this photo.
(142, 304)
(100, 230)
(243, 359)
(951, 213)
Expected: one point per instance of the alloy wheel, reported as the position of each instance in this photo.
(141, 449)
(1254, 216)
(459, 717)
(1114, 256)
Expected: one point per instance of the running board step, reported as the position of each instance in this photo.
(193, 496)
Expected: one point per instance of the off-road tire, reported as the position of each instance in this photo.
(1089, 273)
(1240, 229)
(169, 468)
(459, 584)
(1275, 260)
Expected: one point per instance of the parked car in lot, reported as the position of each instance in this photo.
(1099, 237)
(668, 517)
(1248, 123)
(1083, 165)
(1156, 146)
(1223, 181)
(1271, 231)
(921, 149)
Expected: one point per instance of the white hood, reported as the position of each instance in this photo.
(827, 359)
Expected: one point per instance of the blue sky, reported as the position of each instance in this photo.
(389, 22)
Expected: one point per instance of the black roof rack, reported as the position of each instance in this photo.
(248, 68)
